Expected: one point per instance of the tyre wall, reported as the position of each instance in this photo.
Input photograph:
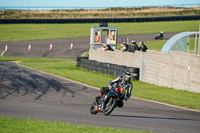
(108, 68)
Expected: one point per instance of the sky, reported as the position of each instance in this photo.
(95, 3)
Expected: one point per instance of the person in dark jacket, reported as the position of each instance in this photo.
(133, 47)
(107, 47)
(125, 80)
(142, 47)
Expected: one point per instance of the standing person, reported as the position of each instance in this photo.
(133, 46)
(107, 47)
(124, 47)
(96, 37)
(142, 47)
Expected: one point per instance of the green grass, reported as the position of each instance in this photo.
(18, 32)
(155, 45)
(192, 41)
(10, 125)
(158, 44)
(67, 68)
(85, 54)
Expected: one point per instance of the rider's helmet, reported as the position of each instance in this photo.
(127, 76)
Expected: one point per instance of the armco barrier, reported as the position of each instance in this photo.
(107, 68)
(102, 20)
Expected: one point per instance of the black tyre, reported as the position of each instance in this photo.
(109, 105)
(92, 109)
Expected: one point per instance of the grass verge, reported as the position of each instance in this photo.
(10, 125)
(67, 68)
(18, 32)
(85, 54)
(99, 13)
(158, 44)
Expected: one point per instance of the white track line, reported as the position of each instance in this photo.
(98, 89)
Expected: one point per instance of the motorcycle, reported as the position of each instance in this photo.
(107, 103)
(159, 36)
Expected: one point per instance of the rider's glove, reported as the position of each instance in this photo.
(109, 86)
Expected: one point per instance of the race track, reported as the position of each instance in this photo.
(61, 47)
(26, 93)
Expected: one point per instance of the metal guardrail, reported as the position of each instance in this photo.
(108, 68)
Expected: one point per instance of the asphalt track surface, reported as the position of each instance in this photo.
(27, 93)
(61, 47)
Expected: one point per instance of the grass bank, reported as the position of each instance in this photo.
(67, 68)
(19, 32)
(10, 125)
(98, 13)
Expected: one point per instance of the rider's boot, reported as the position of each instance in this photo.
(98, 101)
(99, 96)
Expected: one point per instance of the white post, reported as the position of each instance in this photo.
(188, 48)
(127, 40)
(199, 41)
(195, 44)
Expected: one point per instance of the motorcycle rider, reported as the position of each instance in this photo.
(124, 80)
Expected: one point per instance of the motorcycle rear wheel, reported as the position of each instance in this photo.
(92, 109)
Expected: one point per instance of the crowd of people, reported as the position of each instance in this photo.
(132, 47)
(136, 47)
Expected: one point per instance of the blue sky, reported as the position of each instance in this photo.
(94, 3)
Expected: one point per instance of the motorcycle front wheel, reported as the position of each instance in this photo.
(109, 106)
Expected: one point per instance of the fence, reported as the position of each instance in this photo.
(178, 70)
(108, 68)
(101, 20)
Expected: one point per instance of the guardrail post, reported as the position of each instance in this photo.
(195, 44)
(199, 41)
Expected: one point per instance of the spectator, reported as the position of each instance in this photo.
(133, 46)
(107, 47)
(142, 47)
(124, 47)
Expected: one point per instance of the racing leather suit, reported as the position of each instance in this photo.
(119, 80)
